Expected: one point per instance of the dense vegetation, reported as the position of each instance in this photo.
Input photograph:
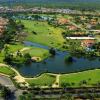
(9, 33)
(5, 93)
(89, 4)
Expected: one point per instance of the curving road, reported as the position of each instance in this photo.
(6, 81)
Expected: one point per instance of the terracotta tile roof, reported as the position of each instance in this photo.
(87, 43)
(62, 21)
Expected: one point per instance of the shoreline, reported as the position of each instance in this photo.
(50, 73)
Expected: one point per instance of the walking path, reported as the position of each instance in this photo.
(24, 49)
(20, 79)
(3, 65)
(6, 81)
(56, 83)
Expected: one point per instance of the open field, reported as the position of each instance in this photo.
(85, 78)
(46, 34)
(52, 35)
(38, 52)
(12, 48)
(43, 80)
(6, 70)
(91, 77)
(33, 51)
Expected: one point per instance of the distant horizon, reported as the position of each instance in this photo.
(85, 1)
(54, 3)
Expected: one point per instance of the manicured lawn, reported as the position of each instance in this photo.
(15, 47)
(91, 77)
(43, 80)
(46, 34)
(37, 52)
(12, 48)
(1, 57)
(6, 70)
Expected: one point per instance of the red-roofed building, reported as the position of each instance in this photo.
(63, 21)
(87, 43)
(72, 27)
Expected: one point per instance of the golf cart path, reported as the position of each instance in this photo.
(18, 77)
(57, 81)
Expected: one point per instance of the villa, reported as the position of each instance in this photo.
(3, 23)
(93, 22)
(87, 43)
(63, 21)
(72, 27)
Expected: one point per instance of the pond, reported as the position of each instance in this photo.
(57, 64)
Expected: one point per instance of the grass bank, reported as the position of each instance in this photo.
(6, 70)
(37, 52)
(45, 34)
(43, 80)
(86, 78)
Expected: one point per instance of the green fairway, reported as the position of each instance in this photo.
(6, 70)
(43, 80)
(46, 34)
(11, 48)
(38, 52)
(90, 77)
(15, 47)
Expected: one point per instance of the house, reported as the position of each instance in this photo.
(72, 27)
(87, 43)
(93, 22)
(3, 23)
(63, 21)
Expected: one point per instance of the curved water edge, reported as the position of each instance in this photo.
(56, 64)
(28, 43)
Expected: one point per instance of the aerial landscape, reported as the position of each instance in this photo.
(49, 49)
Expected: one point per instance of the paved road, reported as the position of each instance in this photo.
(8, 83)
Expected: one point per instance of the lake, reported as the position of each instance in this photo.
(56, 64)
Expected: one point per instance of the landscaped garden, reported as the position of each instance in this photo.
(45, 44)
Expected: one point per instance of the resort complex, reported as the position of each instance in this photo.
(49, 53)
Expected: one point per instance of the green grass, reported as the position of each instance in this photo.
(38, 52)
(91, 77)
(46, 34)
(34, 51)
(43, 80)
(12, 48)
(15, 47)
(6, 70)
(1, 57)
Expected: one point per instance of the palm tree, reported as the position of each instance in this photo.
(6, 49)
